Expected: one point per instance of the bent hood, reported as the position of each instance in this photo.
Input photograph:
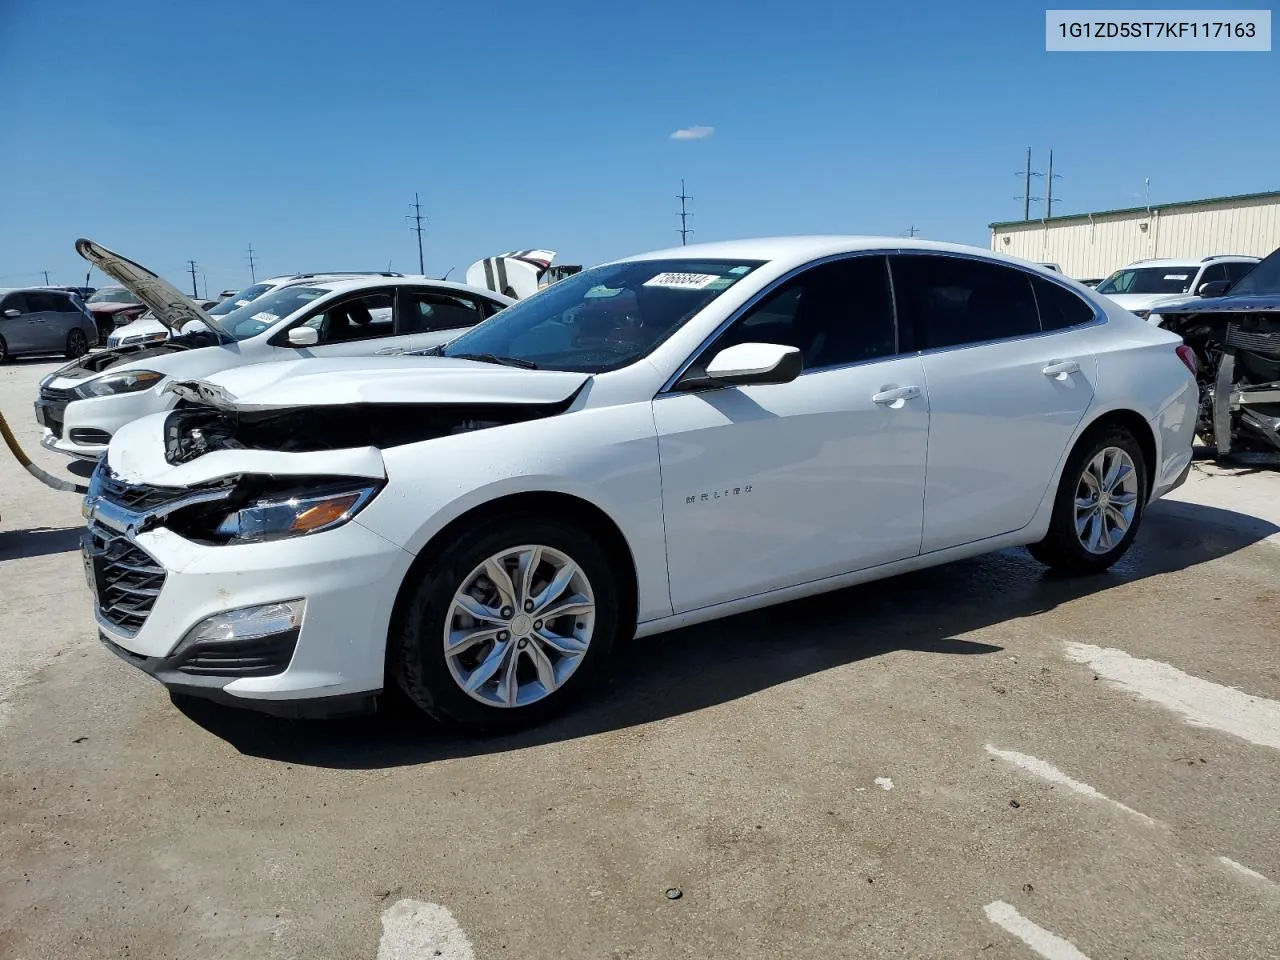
(386, 380)
(171, 308)
(1264, 302)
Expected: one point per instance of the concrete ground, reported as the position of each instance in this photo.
(972, 761)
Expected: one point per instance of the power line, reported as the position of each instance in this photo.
(194, 292)
(253, 276)
(684, 230)
(417, 219)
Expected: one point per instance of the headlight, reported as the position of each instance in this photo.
(281, 516)
(127, 381)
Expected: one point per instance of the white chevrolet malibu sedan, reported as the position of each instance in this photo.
(662, 440)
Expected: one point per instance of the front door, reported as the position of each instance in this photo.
(17, 330)
(357, 326)
(770, 486)
(1009, 381)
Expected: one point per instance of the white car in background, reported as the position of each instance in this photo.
(1144, 285)
(658, 441)
(148, 328)
(82, 404)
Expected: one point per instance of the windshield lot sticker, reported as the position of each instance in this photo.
(682, 281)
(264, 317)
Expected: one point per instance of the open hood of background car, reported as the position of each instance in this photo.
(343, 381)
(513, 274)
(171, 308)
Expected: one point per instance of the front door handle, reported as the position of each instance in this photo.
(895, 394)
(1061, 369)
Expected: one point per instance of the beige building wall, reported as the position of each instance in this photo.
(1094, 245)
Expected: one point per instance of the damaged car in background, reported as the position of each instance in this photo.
(1234, 329)
(83, 404)
(646, 444)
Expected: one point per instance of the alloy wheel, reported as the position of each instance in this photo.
(77, 343)
(1106, 500)
(519, 626)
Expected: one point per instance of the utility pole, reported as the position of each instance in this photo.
(204, 281)
(46, 277)
(1026, 198)
(192, 265)
(417, 219)
(912, 231)
(684, 214)
(1049, 201)
(253, 276)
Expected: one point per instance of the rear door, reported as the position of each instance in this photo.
(17, 329)
(1006, 388)
(432, 316)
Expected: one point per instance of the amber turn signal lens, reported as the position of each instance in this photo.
(323, 514)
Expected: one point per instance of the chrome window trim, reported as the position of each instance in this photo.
(1099, 315)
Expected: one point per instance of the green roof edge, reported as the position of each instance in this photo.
(1181, 204)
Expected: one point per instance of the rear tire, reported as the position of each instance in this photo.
(509, 654)
(77, 344)
(1101, 500)
(4, 350)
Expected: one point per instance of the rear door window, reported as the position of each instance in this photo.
(953, 301)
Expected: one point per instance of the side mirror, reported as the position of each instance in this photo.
(749, 363)
(1214, 288)
(12, 312)
(304, 337)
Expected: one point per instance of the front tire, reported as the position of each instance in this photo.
(507, 625)
(4, 350)
(1100, 503)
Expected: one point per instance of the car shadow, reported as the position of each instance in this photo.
(925, 612)
(38, 542)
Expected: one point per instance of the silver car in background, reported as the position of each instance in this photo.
(41, 320)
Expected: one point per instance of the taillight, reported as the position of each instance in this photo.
(1188, 356)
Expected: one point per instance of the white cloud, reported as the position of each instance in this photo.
(693, 133)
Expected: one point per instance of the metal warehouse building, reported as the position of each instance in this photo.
(1088, 245)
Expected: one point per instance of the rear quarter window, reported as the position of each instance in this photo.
(1059, 307)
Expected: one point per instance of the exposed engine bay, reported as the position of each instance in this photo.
(194, 429)
(1239, 376)
(92, 364)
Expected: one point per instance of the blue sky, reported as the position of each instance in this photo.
(174, 130)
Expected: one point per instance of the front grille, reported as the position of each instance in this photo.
(261, 657)
(127, 580)
(57, 395)
(137, 497)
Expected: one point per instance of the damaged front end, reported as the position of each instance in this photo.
(1239, 376)
(204, 422)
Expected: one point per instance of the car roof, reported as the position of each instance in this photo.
(348, 284)
(1194, 262)
(798, 250)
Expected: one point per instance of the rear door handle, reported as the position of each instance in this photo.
(1061, 368)
(894, 394)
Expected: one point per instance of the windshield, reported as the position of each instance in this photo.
(603, 318)
(256, 316)
(1264, 278)
(238, 300)
(113, 295)
(1150, 280)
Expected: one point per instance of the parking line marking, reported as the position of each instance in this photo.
(1242, 869)
(1200, 702)
(1048, 945)
(1047, 771)
(412, 929)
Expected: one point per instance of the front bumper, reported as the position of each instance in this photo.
(83, 427)
(349, 577)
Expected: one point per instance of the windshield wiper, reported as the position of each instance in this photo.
(490, 358)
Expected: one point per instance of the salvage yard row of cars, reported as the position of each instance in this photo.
(474, 522)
